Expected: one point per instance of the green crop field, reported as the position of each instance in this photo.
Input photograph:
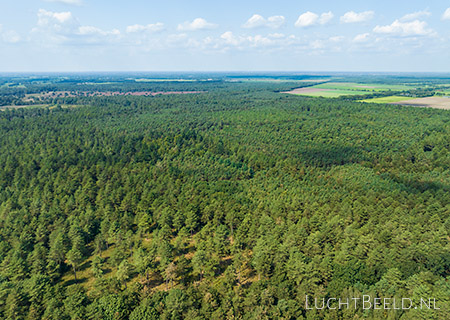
(332, 93)
(338, 89)
(389, 99)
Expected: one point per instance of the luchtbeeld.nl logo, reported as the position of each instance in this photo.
(368, 302)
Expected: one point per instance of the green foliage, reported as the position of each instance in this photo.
(97, 266)
(232, 203)
(124, 271)
(144, 312)
(76, 302)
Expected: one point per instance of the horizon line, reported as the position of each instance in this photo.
(225, 72)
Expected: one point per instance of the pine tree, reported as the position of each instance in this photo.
(75, 255)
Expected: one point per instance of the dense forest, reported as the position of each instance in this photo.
(233, 203)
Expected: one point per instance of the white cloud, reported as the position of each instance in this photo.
(363, 37)
(415, 15)
(257, 21)
(326, 17)
(274, 41)
(94, 31)
(89, 30)
(413, 28)
(309, 18)
(61, 23)
(276, 35)
(155, 27)
(9, 36)
(74, 2)
(230, 38)
(197, 24)
(259, 41)
(47, 17)
(352, 16)
(62, 27)
(446, 15)
(177, 39)
(336, 38)
(275, 21)
(317, 44)
(94, 35)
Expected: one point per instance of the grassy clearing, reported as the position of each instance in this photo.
(389, 99)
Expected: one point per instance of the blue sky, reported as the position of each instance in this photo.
(175, 35)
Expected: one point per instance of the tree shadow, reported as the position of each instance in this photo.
(223, 265)
(73, 281)
(151, 279)
(415, 185)
(85, 265)
(329, 155)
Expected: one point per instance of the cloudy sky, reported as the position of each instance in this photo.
(200, 35)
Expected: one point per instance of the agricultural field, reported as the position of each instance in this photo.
(428, 102)
(338, 89)
(322, 92)
(390, 99)
(363, 86)
(270, 80)
(435, 102)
